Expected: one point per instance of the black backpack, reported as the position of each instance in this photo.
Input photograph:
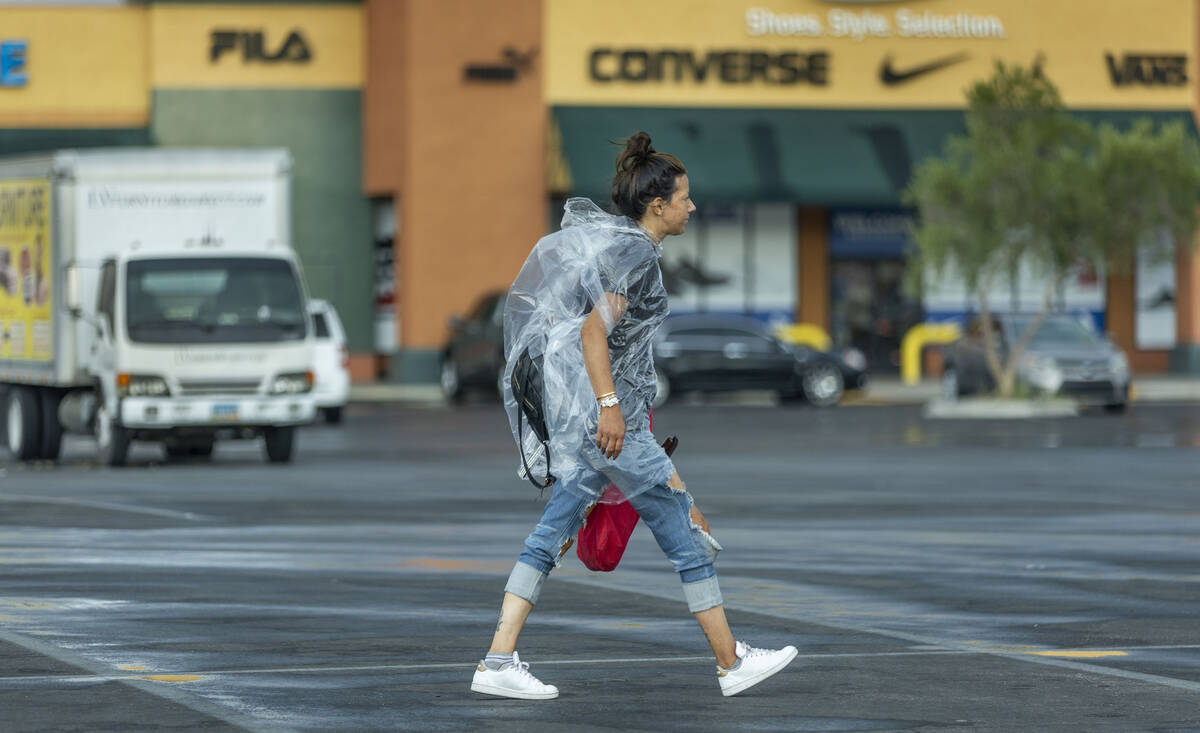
(527, 389)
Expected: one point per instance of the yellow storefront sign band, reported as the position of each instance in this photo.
(95, 67)
(25, 270)
(256, 46)
(886, 55)
(82, 67)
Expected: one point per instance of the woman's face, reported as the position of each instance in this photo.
(676, 211)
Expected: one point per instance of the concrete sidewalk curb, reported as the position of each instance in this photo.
(883, 391)
(425, 395)
(988, 408)
(1145, 389)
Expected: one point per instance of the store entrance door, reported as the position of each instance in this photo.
(870, 310)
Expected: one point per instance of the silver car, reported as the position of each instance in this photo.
(1066, 357)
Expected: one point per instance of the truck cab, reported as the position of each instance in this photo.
(197, 344)
(151, 294)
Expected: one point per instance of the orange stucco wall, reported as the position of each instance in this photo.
(465, 159)
(1187, 296)
(383, 98)
(813, 233)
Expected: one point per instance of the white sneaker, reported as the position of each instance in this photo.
(757, 665)
(512, 681)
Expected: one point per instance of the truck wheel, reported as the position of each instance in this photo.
(22, 422)
(52, 430)
(279, 443)
(112, 440)
(333, 415)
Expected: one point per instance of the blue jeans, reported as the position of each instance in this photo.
(665, 511)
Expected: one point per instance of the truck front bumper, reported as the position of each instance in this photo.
(164, 413)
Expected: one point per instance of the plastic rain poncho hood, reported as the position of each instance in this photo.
(567, 275)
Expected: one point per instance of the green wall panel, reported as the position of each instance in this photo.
(17, 141)
(331, 224)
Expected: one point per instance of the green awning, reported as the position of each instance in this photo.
(806, 156)
(18, 141)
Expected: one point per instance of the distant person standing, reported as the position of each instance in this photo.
(586, 304)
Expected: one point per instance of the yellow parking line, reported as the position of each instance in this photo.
(1081, 654)
(172, 677)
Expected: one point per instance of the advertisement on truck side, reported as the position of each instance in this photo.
(25, 268)
(117, 216)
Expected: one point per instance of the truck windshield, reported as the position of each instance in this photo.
(231, 300)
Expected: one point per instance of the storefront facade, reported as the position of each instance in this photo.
(435, 140)
(823, 108)
(205, 74)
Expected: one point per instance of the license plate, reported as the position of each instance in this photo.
(225, 412)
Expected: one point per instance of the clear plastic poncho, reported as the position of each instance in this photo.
(565, 277)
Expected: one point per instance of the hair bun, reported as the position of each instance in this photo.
(637, 149)
(639, 145)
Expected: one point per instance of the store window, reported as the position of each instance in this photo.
(384, 218)
(870, 310)
(735, 259)
(1155, 294)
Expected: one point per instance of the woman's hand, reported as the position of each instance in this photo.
(610, 435)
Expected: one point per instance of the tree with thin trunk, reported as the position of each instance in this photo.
(1030, 185)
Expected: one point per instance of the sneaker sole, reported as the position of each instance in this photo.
(748, 683)
(503, 692)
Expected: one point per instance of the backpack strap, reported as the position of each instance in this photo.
(550, 479)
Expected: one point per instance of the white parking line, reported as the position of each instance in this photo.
(152, 674)
(110, 506)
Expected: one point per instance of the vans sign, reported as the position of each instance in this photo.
(1148, 70)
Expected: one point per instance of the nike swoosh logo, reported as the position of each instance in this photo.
(891, 77)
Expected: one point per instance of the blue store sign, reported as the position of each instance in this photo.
(870, 234)
(12, 63)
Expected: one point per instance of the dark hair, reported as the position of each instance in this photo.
(642, 175)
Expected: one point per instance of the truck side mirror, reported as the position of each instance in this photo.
(71, 290)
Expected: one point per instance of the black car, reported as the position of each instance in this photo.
(698, 353)
(1065, 357)
(474, 353)
(714, 353)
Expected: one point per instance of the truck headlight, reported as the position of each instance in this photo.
(141, 385)
(294, 383)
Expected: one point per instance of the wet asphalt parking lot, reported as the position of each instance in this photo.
(935, 575)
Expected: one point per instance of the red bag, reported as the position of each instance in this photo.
(605, 533)
(607, 528)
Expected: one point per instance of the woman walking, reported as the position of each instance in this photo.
(585, 306)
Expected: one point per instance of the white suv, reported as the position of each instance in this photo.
(331, 361)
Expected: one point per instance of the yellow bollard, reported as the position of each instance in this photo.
(806, 334)
(916, 339)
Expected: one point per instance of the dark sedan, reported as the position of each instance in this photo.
(698, 353)
(712, 353)
(474, 353)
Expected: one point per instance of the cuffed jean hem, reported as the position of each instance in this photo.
(526, 582)
(702, 595)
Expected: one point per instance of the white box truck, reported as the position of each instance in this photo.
(151, 294)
